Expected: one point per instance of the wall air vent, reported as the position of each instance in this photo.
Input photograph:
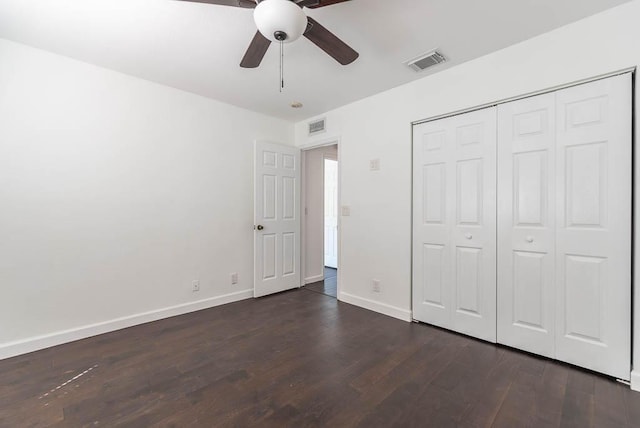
(425, 61)
(317, 126)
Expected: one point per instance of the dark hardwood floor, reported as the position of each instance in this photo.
(301, 359)
(328, 286)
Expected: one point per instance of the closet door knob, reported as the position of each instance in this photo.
(529, 239)
(468, 236)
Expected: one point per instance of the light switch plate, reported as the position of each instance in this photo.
(346, 211)
(374, 164)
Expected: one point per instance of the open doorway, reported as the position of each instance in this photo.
(320, 225)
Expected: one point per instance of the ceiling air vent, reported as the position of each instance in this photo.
(317, 126)
(425, 61)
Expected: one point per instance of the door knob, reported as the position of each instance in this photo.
(468, 236)
(529, 238)
(259, 227)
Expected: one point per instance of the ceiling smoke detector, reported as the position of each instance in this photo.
(296, 104)
(426, 60)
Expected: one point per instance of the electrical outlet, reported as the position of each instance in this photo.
(195, 285)
(376, 286)
(374, 165)
(234, 278)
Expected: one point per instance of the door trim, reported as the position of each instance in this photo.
(336, 140)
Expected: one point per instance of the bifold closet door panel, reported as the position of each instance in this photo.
(474, 224)
(432, 266)
(526, 224)
(454, 242)
(593, 225)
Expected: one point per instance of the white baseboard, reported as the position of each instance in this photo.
(312, 279)
(372, 305)
(635, 380)
(12, 349)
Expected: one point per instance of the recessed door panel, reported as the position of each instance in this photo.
(269, 197)
(288, 198)
(472, 133)
(433, 141)
(530, 191)
(586, 185)
(469, 191)
(288, 253)
(434, 202)
(530, 123)
(585, 279)
(468, 280)
(269, 248)
(433, 262)
(269, 159)
(288, 161)
(528, 290)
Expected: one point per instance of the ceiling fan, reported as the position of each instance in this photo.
(284, 21)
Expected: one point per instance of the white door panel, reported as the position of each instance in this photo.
(593, 215)
(454, 223)
(277, 218)
(432, 246)
(526, 224)
(474, 223)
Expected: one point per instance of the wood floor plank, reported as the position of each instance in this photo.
(610, 406)
(579, 401)
(300, 359)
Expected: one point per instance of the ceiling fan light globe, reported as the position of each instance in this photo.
(280, 16)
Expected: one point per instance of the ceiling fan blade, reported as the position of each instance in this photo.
(314, 4)
(247, 4)
(328, 42)
(255, 52)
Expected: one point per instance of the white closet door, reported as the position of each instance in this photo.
(454, 243)
(432, 183)
(526, 224)
(593, 238)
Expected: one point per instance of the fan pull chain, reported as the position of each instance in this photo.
(281, 65)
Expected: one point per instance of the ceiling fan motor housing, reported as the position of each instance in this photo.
(280, 20)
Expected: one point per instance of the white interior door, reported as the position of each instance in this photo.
(593, 219)
(277, 218)
(526, 224)
(454, 241)
(331, 213)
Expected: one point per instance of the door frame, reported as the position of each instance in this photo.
(326, 157)
(635, 200)
(303, 200)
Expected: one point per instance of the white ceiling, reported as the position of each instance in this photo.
(197, 47)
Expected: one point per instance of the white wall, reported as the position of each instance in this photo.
(314, 211)
(116, 193)
(376, 238)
